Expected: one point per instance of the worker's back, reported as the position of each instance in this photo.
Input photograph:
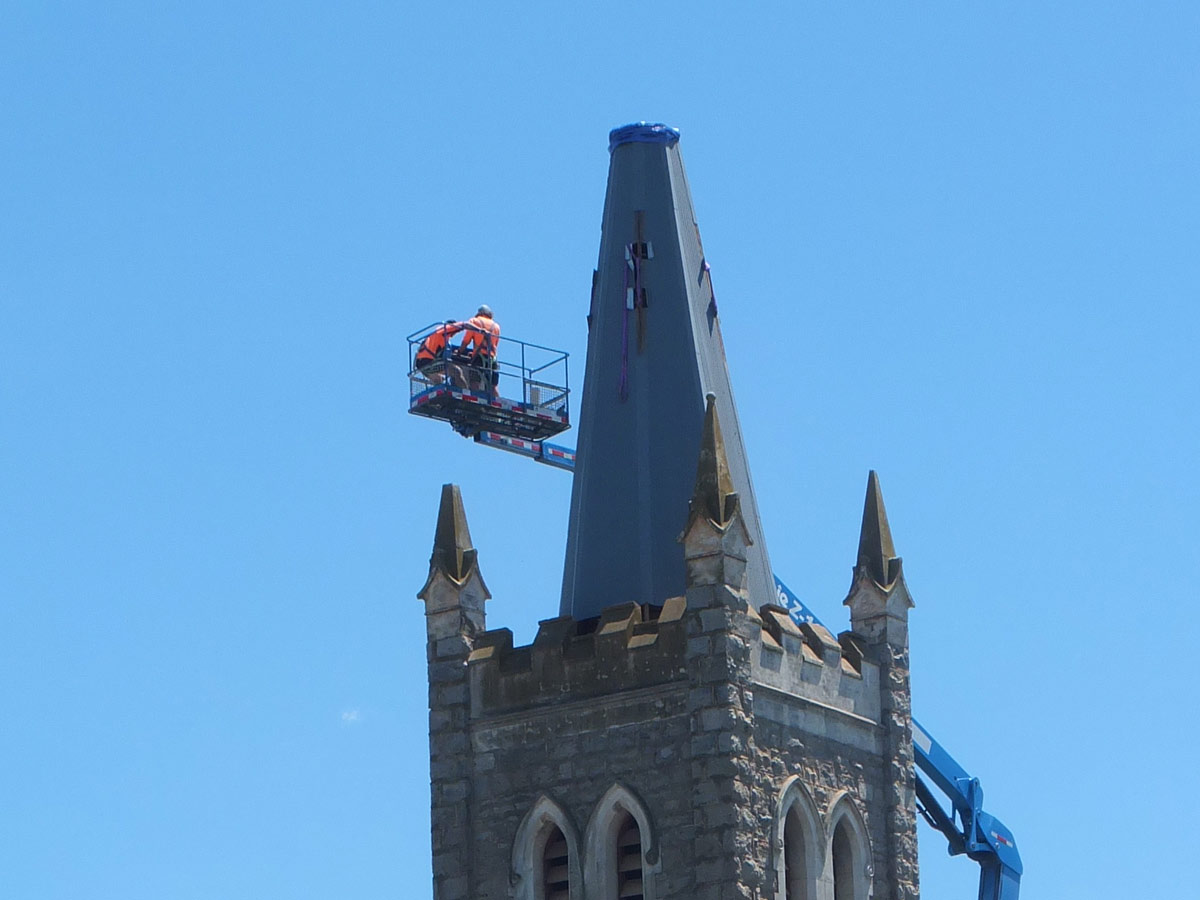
(483, 333)
(436, 342)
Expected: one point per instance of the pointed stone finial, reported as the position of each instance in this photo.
(715, 539)
(713, 495)
(879, 601)
(876, 553)
(454, 592)
(453, 554)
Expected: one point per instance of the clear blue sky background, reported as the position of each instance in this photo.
(956, 243)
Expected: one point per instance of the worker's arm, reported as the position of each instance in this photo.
(471, 335)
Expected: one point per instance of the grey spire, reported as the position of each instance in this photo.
(654, 352)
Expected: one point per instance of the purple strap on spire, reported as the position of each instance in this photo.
(623, 388)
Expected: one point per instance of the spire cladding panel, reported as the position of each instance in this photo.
(654, 351)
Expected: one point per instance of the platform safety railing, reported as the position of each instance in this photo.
(530, 374)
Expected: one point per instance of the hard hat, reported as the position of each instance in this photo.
(484, 310)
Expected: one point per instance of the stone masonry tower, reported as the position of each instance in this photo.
(674, 734)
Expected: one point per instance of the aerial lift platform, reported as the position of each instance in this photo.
(528, 403)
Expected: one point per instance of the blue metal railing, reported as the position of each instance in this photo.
(541, 372)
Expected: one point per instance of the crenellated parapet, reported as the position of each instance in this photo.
(807, 664)
(626, 648)
(631, 647)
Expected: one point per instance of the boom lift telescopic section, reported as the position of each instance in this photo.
(970, 830)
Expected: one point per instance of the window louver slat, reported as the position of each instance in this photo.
(556, 878)
(629, 860)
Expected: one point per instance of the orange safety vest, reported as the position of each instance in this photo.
(433, 345)
(484, 334)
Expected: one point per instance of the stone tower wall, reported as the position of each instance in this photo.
(713, 722)
(704, 714)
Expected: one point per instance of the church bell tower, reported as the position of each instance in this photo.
(673, 733)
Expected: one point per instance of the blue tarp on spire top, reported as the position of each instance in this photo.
(642, 133)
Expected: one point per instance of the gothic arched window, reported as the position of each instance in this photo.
(843, 863)
(849, 853)
(546, 863)
(556, 869)
(622, 857)
(795, 858)
(628, 857)
(799, 843)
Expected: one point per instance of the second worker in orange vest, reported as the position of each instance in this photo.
(431, 358)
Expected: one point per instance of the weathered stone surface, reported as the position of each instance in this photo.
(706, 713)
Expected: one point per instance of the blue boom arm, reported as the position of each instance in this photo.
(970, 830)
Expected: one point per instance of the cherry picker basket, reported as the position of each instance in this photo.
(522, 393)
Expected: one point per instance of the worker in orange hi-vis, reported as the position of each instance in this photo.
(478, 348)
(432, 358)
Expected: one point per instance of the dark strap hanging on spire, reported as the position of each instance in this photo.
(641, 250)
(634, 295)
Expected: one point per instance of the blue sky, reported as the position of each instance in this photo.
(956, 243)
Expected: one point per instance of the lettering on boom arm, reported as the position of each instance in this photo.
(796, 609)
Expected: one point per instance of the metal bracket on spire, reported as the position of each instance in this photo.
(635, 295)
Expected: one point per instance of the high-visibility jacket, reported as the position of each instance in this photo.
(433, 345)
(483, 334)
